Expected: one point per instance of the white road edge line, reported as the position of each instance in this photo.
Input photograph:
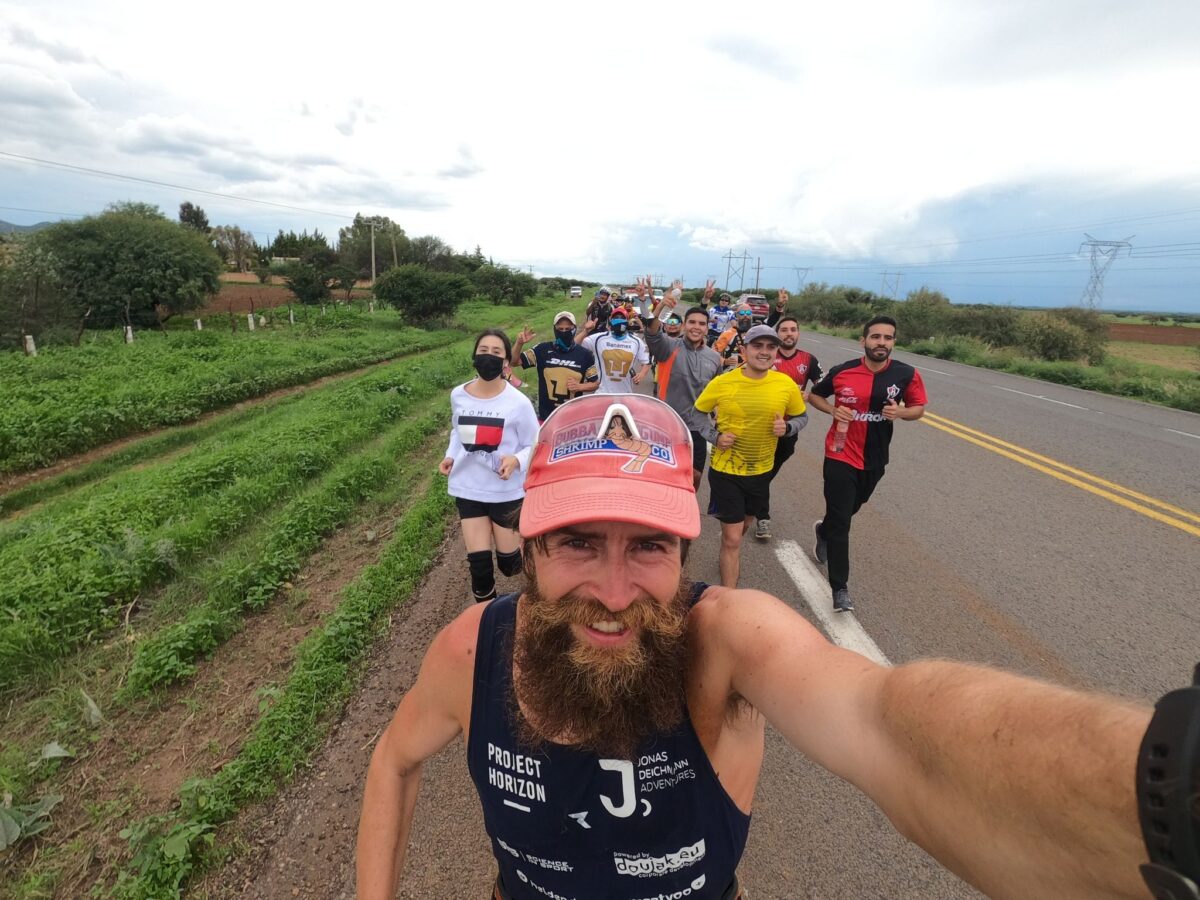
(843, 629)
(1040, 397)
(938, 371)
(1184, 433)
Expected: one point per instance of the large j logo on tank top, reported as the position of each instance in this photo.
(628, 803)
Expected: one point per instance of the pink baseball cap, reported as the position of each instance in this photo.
(612, 458)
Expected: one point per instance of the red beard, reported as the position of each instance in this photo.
(603, 699)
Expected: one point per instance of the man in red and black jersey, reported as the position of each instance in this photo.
(864, 397)
(804, 369)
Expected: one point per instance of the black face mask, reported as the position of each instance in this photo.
(565, 337)
(489, 366)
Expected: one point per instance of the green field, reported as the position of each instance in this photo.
(140, 592)
(70, 399)
(1182, 359)
(1188, 321)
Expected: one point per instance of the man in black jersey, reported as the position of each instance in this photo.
(610, 661)
(864, 397)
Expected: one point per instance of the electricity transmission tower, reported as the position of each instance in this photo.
(736, 268)
(1103, 254)
(801, 276)
(889, 286)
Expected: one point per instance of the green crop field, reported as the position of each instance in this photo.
(125, 579)
(68, 400)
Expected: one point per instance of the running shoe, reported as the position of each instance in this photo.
(842, 601)
(820, 549)
(762, 530)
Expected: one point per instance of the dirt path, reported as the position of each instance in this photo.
(9, 483)
(302, 845)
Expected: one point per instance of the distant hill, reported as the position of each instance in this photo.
(9, 227)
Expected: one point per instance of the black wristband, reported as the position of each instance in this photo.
(1168, 793)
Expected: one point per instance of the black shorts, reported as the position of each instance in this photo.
(733, 497)
(699, 452)
(503, 514)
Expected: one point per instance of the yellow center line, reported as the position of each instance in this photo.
(991, 444)
(1078, 473)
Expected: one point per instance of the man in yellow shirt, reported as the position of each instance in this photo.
(755, 407)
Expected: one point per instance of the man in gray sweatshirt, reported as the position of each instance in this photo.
(685, 366)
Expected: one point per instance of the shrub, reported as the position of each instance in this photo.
(924, 313)
(1091, 324)
(421, 295)
(1052, 338)
(996, 326)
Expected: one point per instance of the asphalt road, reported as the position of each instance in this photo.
(968, 554)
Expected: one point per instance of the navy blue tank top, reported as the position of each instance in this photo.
(568, 825)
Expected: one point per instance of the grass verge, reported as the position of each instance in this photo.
(1121, 378)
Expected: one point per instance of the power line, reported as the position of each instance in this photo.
(100, 173)
(1057, 229)
(45, 212)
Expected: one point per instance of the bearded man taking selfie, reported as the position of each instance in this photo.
(614, 711)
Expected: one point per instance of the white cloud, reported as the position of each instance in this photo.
(543, 131)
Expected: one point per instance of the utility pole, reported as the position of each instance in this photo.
(372, 254)
(1103, 254)
(395, 257)
(757, 272)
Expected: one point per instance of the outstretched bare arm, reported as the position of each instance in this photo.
(1025, 789)
(430, 716)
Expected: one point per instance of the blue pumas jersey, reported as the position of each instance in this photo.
(567, 825)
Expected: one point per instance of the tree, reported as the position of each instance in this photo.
(310, 249)
(423, 296)
(130, 268)
(236, 247)
(135, 208)
(28, 278)
(193, 217)
(503, 285)
(345, 278)
(308, 283)
(354, 245)
(431, 252)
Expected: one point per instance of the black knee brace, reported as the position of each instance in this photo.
(509, 563)
(483, 579)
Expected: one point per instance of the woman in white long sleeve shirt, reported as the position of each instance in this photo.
(492, 433)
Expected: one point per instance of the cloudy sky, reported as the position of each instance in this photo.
(963, 144)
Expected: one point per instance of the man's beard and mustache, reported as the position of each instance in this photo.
(879, 353)
(602, 699)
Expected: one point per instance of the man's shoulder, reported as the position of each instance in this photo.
(844, 367)
(774, 376)
(727, 380)
(901, 370)
(452, 653)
